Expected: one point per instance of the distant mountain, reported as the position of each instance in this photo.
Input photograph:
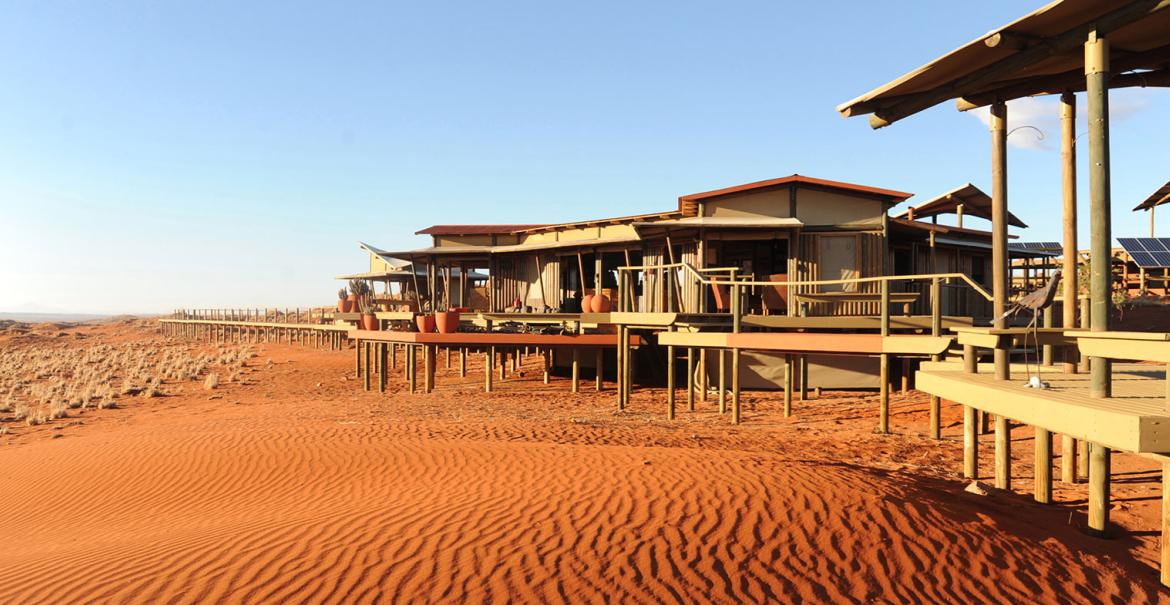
(34, 318)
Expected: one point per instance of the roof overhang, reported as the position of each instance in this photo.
(975, 203)
(1040, 53)
(728, 222)
(1159, 197)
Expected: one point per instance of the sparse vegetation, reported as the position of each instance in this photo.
(50, 381)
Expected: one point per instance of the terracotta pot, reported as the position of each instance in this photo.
(341, 305)
(600, 304)
(349, 306)
(447, 321)
(352, 298)
(369, 321)
(426, 323)
(586, 303)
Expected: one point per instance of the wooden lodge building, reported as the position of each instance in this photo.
(794, 228)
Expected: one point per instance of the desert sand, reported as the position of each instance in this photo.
(291, 484)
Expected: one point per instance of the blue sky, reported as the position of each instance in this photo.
(157, 155)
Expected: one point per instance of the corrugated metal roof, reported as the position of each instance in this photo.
(799, 180)
(475, 229)
(1040, 53)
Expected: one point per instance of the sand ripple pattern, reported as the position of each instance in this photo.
(367, 513)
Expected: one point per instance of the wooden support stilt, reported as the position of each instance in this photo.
(1165, 517)
(357, 360)
(804, 377)
(412, 364)
(381, 367)
(1003, 453)
(736, 409)
(488, 355)
(463, 362)
(722, 382)
(545, 363)
(970, 443)
(884, 394)
(366, 364)
(787, 385)
(429, 362)
(690, 379)
(621, 357)
(670, 382)
(503, 363)
(704, 381)
(1099, 469)
(1082, 460)
(1068, 459)
(599, 365)
(1043, 466)
(576, 386)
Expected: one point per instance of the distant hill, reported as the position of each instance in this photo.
(34, 318)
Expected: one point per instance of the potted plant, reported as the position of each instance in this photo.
(356, 288)
(600, 304)
(364, 304)
(343, 304)
(425, 320)
(448, 321)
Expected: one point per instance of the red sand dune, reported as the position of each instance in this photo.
(298, 487)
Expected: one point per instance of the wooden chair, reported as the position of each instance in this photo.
(722, 294)
(776, 297)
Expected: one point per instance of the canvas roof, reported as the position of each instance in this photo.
(975, 203)
(1040, 53)
(1157, 198)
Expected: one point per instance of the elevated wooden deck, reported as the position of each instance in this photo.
(1135, 419)
(808, 342)
(491, 339)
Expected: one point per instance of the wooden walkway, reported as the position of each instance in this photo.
(1134, 419)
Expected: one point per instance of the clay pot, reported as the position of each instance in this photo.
(586, 303)
(369, 321)
(342, 306)
(426, 323)
(447, 321)
(600, 304)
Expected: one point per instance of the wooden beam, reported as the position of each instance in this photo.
(1153, 60)
(1042, 485)
(982, 77)
(1068, 163)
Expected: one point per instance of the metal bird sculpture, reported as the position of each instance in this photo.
(1038, 299)
(1035, 301)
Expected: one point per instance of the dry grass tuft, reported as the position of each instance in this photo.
(46, 382)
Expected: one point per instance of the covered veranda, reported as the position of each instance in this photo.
(1066, 47)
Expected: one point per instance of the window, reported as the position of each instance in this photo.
(837, 259)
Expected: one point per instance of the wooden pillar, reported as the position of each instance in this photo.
(463, 362)
(703, 380)
(999, 230)
(736, 410)
(576, 370)
(489, 355)
(1046, 350)
(670, 382)
(884, 393)
(381, 346)
(970, 443)
(1099, 468)
(429, 360)
(722, 382)
(545, 362)
(1100, 228)
(620, 356)
(412, 367)
(787, 385)
(1003, 453)
(599, 364)
(1165, 517)
(1068, 459)
(1043, 466)
(366, 363)
(690, 379)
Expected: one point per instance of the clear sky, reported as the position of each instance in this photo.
(206, 154)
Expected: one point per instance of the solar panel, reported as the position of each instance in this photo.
(1041, 248)
(1147, 252)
